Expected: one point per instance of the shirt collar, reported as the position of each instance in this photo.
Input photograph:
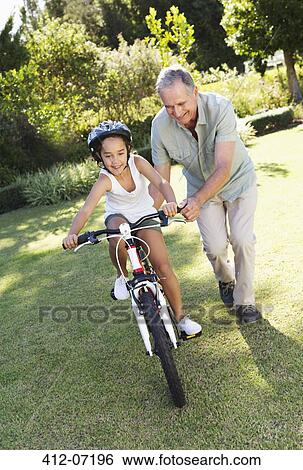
(201, 114)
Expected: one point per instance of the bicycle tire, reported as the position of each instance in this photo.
(162, 347)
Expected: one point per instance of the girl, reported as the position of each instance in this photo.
(127, 199)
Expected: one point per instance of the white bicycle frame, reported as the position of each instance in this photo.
(147, 285)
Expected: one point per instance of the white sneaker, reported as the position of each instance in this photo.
(188, 326)
(120, 289)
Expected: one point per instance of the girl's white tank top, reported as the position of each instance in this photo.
(133, 204)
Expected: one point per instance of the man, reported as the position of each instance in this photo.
(198, 130)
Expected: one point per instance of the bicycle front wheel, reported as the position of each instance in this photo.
(162, 347)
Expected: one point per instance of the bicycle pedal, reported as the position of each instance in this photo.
(186, 337)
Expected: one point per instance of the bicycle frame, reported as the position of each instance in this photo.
(143, 281)
(152, 313)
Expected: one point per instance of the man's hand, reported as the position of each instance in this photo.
(191, 209)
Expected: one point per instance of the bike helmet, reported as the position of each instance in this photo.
(106, 129)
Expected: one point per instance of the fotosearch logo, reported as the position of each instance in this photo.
(122, 314)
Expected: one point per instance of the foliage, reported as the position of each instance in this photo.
(89, 13)
(58, 81)
(63, 73)
(49, 96)
(205, 16)
(22, 147)
(271, 120)
(12, 51)
(105, 20)
(247, 132)
(30, 14)
(251, 93)
(298, 112)
(219, 74)
(258, 28)
(176, 40)
(11, 197)
(141, 137)
(61, 182)
(126, 91)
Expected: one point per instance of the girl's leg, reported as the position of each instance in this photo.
(160, 261)
(113, 223)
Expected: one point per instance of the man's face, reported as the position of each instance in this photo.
(181, 104)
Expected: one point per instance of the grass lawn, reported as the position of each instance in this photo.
(79, 377)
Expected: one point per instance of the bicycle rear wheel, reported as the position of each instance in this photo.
(162, 347)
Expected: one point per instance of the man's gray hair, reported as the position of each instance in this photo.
(168, 76)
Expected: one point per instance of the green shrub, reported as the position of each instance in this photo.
(251, 93)
(22, 147)
(11, 197)
(271, 120)
(62, 182)
(247, 132)
(7, 175)
(141, 137)
(127, 85)
(298, 112)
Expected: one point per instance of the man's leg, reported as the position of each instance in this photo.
(213, 229)
(242, 238)
(241, 220)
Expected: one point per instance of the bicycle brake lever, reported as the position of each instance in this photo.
(92, 240)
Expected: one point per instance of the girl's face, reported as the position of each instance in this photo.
(114, 154)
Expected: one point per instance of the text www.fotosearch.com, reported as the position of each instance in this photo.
(165, 460)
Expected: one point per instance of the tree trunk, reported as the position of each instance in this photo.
(293, 83)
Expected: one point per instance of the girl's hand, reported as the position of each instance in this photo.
(71, 241)
(170, 209)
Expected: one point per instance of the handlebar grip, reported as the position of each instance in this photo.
(83, 238)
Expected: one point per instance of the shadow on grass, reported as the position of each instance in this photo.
(273, 169)
(280, 362)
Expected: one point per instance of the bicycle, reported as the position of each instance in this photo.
(152, 311)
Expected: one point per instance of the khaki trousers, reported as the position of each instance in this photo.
(216, 236)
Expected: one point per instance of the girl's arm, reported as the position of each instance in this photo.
(160, 183)
(102, 185)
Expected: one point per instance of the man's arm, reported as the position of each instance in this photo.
(224, 152)
(164, 171)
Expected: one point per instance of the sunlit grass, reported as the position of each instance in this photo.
(79, 378)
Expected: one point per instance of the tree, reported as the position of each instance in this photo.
(12, 51)
(55, 89)
(177, 39)
(106, 19)
(210, 48)
(30, 14)
(258, 28)
(85, 12)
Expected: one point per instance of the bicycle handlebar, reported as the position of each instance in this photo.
(92, 236)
